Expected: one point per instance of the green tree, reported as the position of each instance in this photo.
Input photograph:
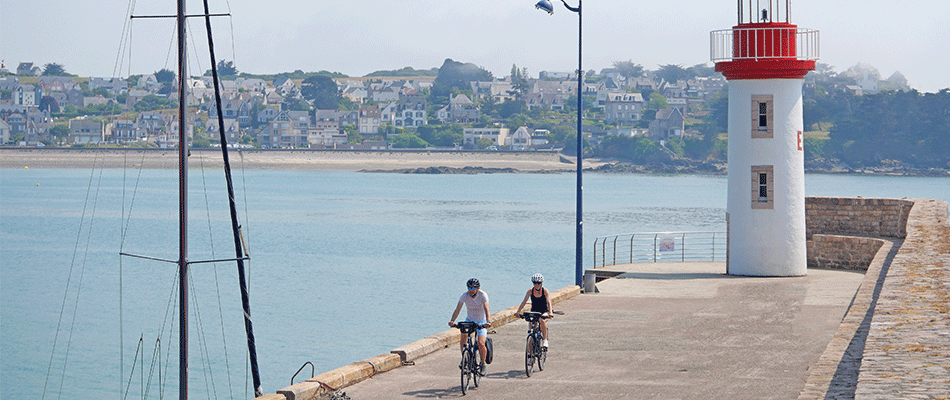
(519, 82)
(455, 76)
(701, 70)
(226, 68)
(408, 140)
(164, 76)
(483, 143)
(49, 103)
(53, 69)
(672, 72)
(628, 69)
(322, 91)
(441, 135)
(153, 102)
(352, 134)
(59, 131)
(657, 102)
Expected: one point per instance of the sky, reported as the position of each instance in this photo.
(357, 37)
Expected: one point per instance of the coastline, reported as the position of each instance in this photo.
(393, 161)
(328, 160)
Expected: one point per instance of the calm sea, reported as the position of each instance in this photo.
(344, 265)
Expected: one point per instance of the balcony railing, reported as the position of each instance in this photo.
(652, 247)
(764, 43)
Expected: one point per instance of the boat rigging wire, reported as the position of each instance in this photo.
(72, 265)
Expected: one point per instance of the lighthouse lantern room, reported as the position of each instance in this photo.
(765, 59)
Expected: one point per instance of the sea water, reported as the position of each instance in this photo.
(344, 265)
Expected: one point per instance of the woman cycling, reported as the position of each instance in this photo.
(540, 302)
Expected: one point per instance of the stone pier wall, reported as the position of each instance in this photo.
(893, 343)
(850, 253)
(857, 216)
(844, 232)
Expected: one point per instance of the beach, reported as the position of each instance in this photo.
(342, 160)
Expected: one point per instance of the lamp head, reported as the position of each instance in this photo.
(546, 6)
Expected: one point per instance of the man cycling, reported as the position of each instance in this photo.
(540, 303)
(476, 303)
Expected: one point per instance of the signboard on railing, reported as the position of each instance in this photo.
(667, 244)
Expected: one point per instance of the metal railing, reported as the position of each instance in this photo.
(763, 44)
(647, 247)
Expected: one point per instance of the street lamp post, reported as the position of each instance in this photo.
(546, 5)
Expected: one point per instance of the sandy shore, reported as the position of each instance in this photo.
(287, 160)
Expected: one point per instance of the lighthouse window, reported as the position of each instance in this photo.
(763, 194)
(762, 116)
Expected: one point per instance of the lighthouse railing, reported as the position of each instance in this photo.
(764, 43)
(651, 247)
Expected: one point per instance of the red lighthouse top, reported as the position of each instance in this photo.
(764, 44)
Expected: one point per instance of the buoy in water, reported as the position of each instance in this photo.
(25, 167)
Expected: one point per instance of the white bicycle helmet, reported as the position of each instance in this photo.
(537, 278)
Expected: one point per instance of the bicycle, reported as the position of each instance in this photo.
(470, 361)
(534, 351)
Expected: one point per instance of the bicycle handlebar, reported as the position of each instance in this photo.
(532, 315)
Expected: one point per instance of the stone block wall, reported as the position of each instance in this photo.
(856, 216)
(842, 252)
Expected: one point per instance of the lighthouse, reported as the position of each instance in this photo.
(765, 58)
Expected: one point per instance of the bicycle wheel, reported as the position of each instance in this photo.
(466, 370)
(476, 369)
(528, 356)
(542, 357)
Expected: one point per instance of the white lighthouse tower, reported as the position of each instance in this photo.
(765, 58)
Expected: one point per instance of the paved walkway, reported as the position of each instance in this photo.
(657, 331)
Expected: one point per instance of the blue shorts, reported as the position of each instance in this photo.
(480, 331)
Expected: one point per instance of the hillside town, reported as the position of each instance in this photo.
(39, 109)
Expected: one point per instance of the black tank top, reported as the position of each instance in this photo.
(540, 303)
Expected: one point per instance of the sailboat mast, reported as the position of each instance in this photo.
(235, 228)
(183, 207)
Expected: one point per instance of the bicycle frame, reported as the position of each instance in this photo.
(534, 351)
(469, 365)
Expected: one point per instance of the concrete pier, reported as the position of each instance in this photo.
(880, 330)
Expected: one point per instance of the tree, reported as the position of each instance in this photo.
(519, 82)
(455, 76)
(441, 135)
(408, 140)
(226, 68)
(49, 103)
(53, 69)
(164, 76)
(628, 69)
(153, 102)
(60, 131)
(701, 70)
(322, 91)
(352, 134)
(657, 102)
(672, 73)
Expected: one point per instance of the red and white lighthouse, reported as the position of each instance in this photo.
(765, 59)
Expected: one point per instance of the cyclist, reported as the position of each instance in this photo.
(476, 303)
(540, 302)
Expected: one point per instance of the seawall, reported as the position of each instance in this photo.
(894, 341)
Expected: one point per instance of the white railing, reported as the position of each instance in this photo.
(763, 44)
(650, 247)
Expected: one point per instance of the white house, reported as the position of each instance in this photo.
(498, 136)
(519, 140)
